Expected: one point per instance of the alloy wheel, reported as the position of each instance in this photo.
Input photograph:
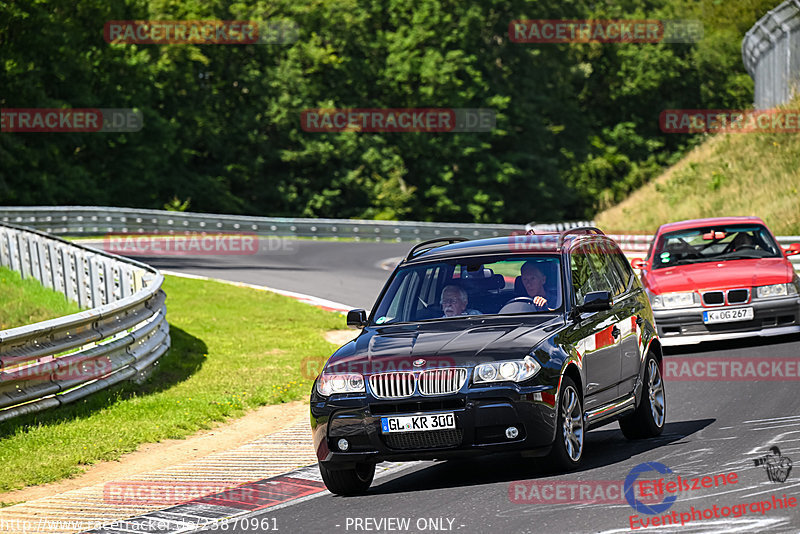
(573, 423)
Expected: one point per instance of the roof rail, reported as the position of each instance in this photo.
(586, 230)
(445, 240)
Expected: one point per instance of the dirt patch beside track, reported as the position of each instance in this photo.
(153, 456)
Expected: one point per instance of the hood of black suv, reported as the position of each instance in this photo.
(445, 343)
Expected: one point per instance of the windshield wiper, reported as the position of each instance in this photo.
(687, 261)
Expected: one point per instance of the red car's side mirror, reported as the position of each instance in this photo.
(637, 263)
(793, 249)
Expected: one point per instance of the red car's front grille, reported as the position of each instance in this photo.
(738, 296)
(713, 298)
(731, 296)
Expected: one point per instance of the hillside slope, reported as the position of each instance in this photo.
(729, 174)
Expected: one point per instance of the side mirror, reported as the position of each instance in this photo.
(638, 263)
(793, 249)
(357, 318)
(596, 301)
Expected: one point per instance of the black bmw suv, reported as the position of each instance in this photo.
(520, 343)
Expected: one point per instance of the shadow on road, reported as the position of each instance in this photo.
(603, 448)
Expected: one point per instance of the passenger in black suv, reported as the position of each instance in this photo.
(517, 377)
(454, 302)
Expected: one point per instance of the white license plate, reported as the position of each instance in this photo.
(728, 315)
(418, 423)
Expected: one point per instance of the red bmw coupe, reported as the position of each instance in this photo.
(720, 278)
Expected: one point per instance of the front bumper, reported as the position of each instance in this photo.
(771, 317)
(481, 414)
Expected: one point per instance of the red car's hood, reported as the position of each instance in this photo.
(720, 275)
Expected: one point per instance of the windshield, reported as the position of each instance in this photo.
(714, 244)
(458, 288)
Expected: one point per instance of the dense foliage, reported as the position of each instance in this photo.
(577, 125)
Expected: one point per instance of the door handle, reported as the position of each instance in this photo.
(615, 332)
(639, 320)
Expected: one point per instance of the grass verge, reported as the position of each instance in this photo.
(729, 174)
(233, 349)
(27, 301)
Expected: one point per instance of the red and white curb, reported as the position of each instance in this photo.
(221, 510)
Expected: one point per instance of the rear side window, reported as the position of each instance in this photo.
(623, 268)
(593, 270)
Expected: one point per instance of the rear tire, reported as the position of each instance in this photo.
(352, 481)
(648, 419)
(567, 450)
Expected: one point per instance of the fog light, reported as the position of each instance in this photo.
(343, 444)
(512, 432)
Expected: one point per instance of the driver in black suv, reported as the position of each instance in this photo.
(533, 285)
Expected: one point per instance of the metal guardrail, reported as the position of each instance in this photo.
(771, 55)
(120, 337)
(86, 220)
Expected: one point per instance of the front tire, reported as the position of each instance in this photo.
(567, 450)
(352, 481)
(648, 419)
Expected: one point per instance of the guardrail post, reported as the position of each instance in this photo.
(108, 279)
(70, 288)
(81, 280)
(40, 263)
(94, 283)
(5, 260)
(53, 262)
(20, 257)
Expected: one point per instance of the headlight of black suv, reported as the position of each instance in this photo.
(328, 385)
(506, 371)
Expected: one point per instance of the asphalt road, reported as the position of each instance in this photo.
(713, 427)
(345, 272)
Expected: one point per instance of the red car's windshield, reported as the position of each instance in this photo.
(714, 243)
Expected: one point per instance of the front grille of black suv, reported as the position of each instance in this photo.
(430, 382)
(433, 439)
